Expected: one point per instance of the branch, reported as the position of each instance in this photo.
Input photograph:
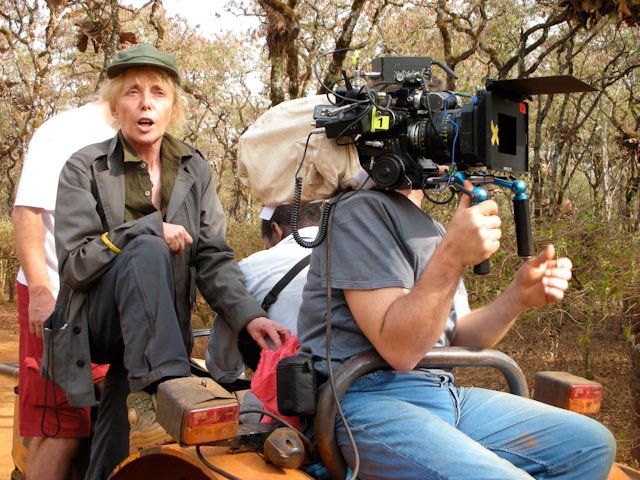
(344, 40)
(156, 18)
(523, 51)
(285, 10)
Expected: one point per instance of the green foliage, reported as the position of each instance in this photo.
(604, 260)
(7, 249)
(245, 237)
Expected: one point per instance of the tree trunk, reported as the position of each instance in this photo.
(631, 305)
(110, 45)
(276, 80)
(282, 32)
(605, 166)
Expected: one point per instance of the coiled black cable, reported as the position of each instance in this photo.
(295, 211)
(295, 206)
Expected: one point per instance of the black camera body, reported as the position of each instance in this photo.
(403, 130)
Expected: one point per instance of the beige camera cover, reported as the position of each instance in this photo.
(270, 151)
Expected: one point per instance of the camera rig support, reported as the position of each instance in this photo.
(521, 212)
(405, 132)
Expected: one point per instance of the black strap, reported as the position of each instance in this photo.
(272, 296)
(247, 346)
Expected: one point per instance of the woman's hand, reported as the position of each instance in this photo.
(176, 237)
(263, 327)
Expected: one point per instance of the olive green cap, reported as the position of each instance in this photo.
(143, 55)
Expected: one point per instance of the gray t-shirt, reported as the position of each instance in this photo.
(377, 240)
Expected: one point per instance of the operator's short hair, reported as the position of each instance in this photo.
(308, 216)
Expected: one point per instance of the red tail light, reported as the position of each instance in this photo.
(568, 391)
(197, 410)
(591, 392)
(585, 398)
(210, 423)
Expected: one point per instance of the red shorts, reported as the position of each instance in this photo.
(74, 422)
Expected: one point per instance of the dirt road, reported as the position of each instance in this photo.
(8, 353)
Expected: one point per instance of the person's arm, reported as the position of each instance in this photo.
(404, 324)
(540, 281)
(83, 254)
(219, 278)
(29, 242)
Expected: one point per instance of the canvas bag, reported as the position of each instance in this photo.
(263, 383)
(270, 151)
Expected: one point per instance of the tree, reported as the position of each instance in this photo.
(298, 31)
(588, 13)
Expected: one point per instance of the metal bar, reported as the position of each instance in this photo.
(9, 368)
(201, 332)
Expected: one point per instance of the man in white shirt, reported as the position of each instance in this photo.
(262, 271)
(53, 444)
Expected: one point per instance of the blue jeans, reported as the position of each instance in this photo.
(414, 426)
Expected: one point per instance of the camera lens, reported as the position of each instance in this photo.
(433, 138)
(388, 171)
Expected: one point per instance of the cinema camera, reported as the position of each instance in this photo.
(404, 131)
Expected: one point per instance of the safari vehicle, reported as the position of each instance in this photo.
(264, 451)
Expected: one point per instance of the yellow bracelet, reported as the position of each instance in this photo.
(111, 246)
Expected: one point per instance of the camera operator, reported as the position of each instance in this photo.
(396, 288)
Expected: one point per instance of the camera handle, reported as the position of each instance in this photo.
(521, 214)
(480, 195)
(477, 195)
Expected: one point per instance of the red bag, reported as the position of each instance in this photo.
(263, 383)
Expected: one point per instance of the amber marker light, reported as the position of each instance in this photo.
(568, 391)
(210, 424)
(585, 398)
(196, 411)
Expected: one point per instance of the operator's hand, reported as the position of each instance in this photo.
(262, 327)
(473, 234)
(543, 279)
(41, 306)
(176, 237)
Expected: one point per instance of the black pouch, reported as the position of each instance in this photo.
(56, 343)
(296, 386)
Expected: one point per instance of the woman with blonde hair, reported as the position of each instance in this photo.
(139, 225)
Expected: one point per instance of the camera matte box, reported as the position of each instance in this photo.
(503, 134)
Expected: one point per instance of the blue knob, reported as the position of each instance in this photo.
(519, 187)
(479, 195)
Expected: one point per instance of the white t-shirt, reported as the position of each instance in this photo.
(50, 147)
(265, 268)
(262, 271)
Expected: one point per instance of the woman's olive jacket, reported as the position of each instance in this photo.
(90, 202)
